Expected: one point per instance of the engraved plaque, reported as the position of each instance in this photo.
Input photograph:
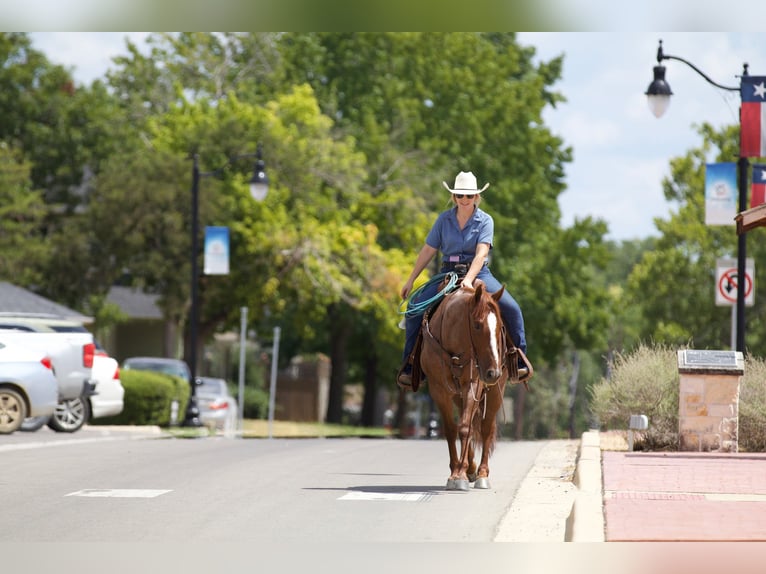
(714, 362)
(710, 358)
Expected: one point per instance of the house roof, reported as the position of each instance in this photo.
(14, 299)
(135, 303)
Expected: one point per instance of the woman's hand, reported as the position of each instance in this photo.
(467, 283)
(406, 289)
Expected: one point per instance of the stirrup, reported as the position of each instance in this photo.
(403, 378)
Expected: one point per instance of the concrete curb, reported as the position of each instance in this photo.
(544, 498)
(586, 520)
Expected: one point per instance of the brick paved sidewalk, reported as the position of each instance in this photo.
(684, 496)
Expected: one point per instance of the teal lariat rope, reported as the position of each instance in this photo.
(414, 309)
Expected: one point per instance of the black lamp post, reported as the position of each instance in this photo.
(658, 95)
(259, 187)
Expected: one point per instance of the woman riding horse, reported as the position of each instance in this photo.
(464, 235)
(464, 360)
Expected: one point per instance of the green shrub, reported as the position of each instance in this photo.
(752, 406)
(642, 382)
(646, 381)
(148, 399)
(256, 403)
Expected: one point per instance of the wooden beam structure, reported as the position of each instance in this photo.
(751, 218)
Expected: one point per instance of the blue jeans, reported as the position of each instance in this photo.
(509, 310)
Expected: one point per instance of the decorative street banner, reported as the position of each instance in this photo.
(216, 251)
(720, 193)
(752, 117)
(758, 195)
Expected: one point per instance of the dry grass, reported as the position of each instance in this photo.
(613, 440)
(752, 406)
(259, 428)
(644, 381)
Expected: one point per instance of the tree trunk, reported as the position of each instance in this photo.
(370, 389)
(339, 335)
(518, 412)
(573, 392)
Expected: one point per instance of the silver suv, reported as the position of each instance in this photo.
(72, 414)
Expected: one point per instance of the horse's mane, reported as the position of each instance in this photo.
(483, 303)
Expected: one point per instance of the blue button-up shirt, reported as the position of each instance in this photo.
(459, 245)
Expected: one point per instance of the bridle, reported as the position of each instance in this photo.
(457, 361)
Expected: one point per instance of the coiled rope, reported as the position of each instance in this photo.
(415, 309)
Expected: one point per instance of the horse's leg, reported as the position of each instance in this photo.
(494, 398)
(471, 472)
(461, 481)
(443, 402)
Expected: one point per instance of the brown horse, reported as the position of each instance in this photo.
(463, 359)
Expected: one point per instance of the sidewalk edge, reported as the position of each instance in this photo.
(586, 519)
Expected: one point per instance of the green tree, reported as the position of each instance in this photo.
(21, 213)
(674, 284)
(424, 105)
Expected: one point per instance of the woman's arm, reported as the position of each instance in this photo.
(426, 254)
(482, 250)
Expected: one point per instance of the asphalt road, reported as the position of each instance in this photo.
(113, 486)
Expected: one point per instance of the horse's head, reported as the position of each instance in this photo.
(487, 333)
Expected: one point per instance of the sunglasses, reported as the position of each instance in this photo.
(461, 195)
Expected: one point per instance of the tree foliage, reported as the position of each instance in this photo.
(674, 283)
(357, 130)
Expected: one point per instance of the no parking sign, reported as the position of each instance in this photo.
(728, 283)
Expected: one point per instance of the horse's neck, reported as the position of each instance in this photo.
(452, 319)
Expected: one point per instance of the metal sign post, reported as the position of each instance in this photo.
(242, 345)
(727, 286)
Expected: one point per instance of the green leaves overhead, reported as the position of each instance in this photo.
(357, 130)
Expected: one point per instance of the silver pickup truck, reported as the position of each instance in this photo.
(71, 355)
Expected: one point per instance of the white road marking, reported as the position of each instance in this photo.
(389, 496)
(119, 493)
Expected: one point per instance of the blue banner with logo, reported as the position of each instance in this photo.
(216, 251)
(720, 193)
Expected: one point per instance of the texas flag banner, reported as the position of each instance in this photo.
(758, 195)
(753, 117)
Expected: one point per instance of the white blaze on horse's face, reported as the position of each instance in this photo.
(492, 326)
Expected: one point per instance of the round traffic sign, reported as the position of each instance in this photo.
(728, 285)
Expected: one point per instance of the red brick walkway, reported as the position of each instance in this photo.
(684, 496)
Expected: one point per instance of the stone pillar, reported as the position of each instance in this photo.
(708, 400)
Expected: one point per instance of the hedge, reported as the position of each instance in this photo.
(149, 397)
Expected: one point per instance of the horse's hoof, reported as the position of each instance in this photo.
(458, 484)
(482, 483)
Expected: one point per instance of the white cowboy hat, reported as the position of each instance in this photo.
(465, 183)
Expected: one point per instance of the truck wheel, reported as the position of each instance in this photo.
(13, 410)
(32, 424)
(70, 415)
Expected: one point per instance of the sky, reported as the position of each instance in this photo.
(621, 151)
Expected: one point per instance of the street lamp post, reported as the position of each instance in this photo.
(259, 187)
(658, 95)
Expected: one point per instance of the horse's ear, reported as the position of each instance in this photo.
(499, 293)
(479, 291)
